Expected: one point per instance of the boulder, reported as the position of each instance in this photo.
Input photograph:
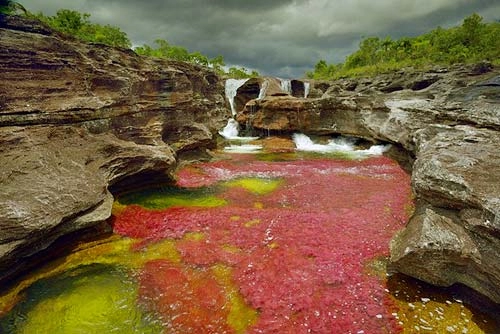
(455, 235)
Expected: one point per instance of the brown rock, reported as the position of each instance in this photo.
(77, 119)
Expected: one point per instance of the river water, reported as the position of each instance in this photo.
(247, 243)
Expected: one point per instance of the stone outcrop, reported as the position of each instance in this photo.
(448, 122)
(77, 119)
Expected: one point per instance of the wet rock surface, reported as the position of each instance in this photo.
(448, 121)
(76, 118)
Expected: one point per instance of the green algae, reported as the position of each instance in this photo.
(255, 185)
(89, 299)
(166, 196)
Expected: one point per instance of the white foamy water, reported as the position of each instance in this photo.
(307, 88)
(263, 89)
(339, 145)
(231, 88)
(245, 148)
(286, 85)
(231, 131)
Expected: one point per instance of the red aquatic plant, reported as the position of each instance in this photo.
(186, 300)
(298, 254)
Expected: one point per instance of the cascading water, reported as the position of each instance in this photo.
(231, 130)
(337, 145)
(263, 89)
(307, 87)
(231, 89)
(286, 85)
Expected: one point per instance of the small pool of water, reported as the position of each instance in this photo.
(250, 243)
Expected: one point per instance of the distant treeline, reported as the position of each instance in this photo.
(79, 25)
(473, 41)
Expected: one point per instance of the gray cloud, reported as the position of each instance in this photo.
(280, 37)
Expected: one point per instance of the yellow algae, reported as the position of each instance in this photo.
(194, 236)
(80, 257)
(273, 245)
(111, 251)
(164, 249)
(231, 249)
(117, 208)
(376, 267)
(235, 218)
(258, 205)
(252, 222)
(111, 308)
(427, 310)
(241, 316)
(255, 185)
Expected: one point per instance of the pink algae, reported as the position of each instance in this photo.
(298, 257)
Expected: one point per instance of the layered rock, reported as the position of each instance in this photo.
(455, 234)
(77, 118)
(448, 121)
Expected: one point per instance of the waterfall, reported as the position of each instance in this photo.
(231, 129)
(263, 89)
(231, 88)
(286, 85)
(307, 87)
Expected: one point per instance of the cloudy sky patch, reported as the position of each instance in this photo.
(284, 38)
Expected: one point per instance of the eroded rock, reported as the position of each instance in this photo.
(77, 118)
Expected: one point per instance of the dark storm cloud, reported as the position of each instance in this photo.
(279, 37)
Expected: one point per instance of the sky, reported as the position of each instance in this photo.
(283, 38)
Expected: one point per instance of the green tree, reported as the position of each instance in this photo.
(10, 7)
(472, 29)
(472, 41)
(217, 64)
(198, 58)
(241, 73)
(79, 25)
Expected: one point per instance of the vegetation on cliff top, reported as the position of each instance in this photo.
(168, 51)
(79, 25)
(9, 7)
(473, 41)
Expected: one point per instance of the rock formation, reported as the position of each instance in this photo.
(76, 119)
(448, 122)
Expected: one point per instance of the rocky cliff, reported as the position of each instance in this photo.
(76, 119)
(448, 123)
